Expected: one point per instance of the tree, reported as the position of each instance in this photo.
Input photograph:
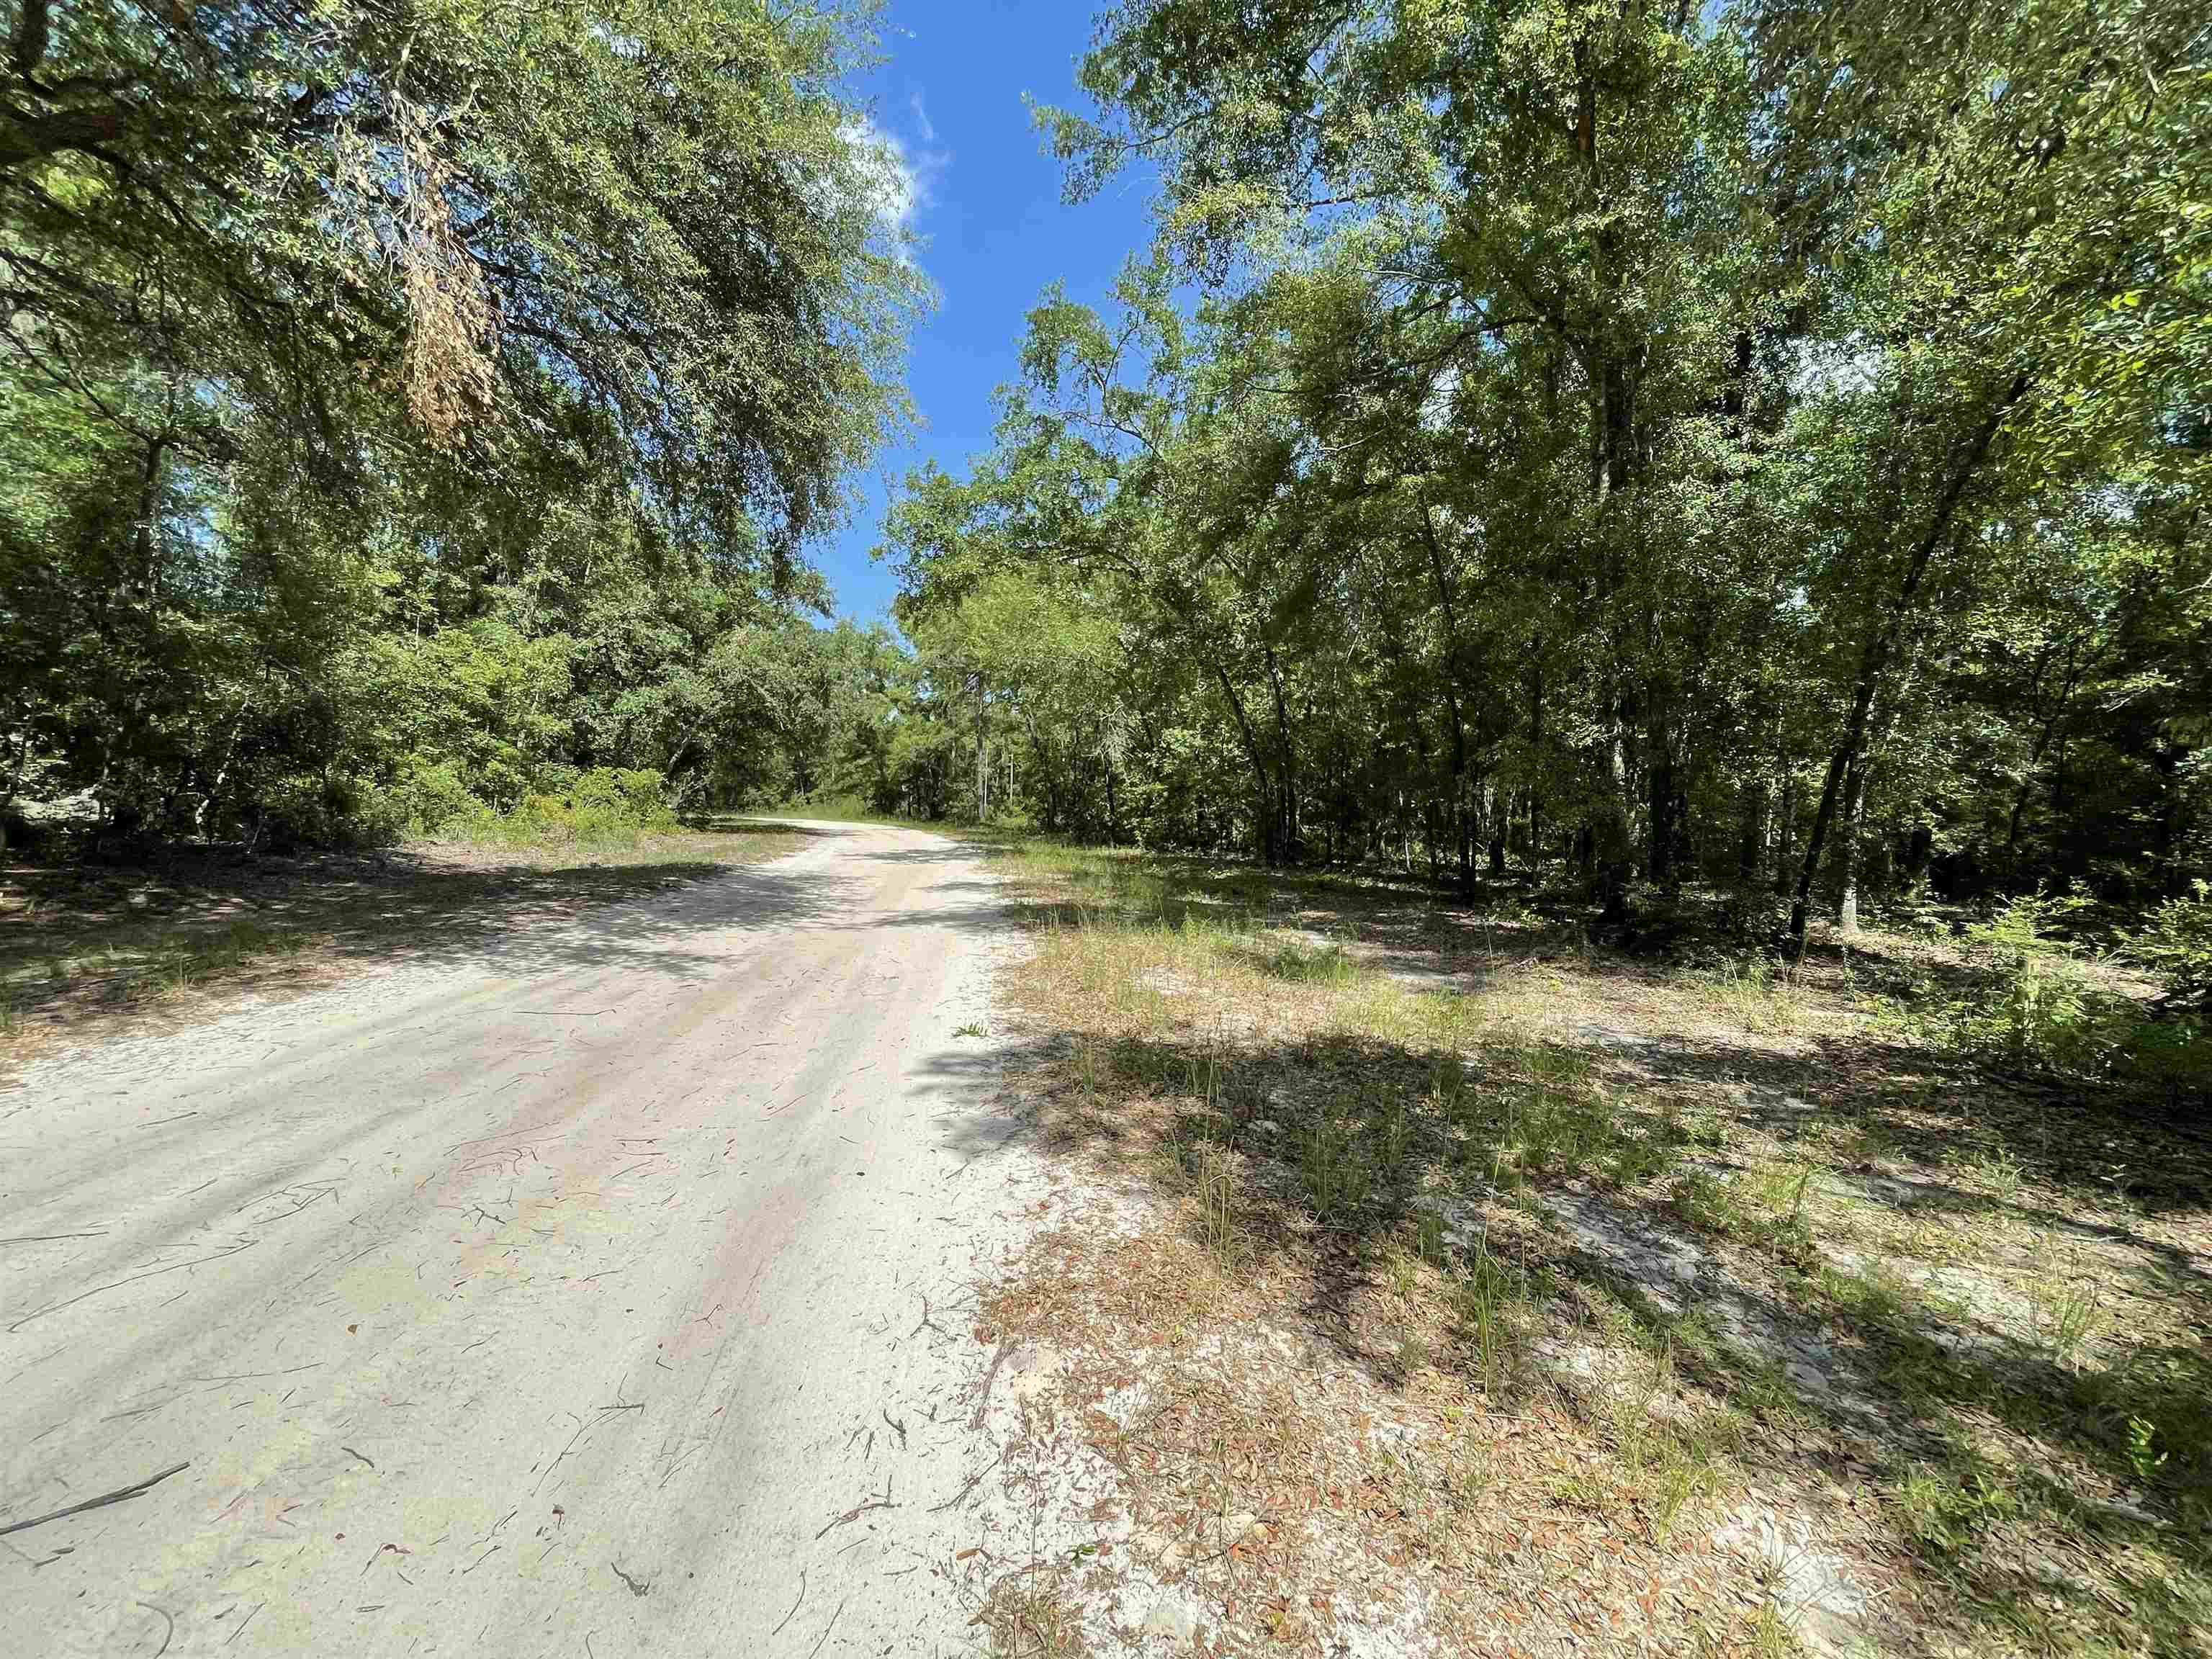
(363, 342)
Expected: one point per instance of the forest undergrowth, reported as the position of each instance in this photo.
(1444, 1279)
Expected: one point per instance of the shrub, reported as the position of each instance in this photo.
(428, 799)
(299, 811)
(2173, 1052)
(2176, 945)
(606, 806)
(2040, 1008)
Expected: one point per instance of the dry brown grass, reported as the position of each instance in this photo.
(1412, 1189)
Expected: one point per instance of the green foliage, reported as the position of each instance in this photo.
(1945, 1509)
(2142, 1456)
(2176, 942)
(2037, 1006)
(606, 806)
(1762, 445)
(400, 420)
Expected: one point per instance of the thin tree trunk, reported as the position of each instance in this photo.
(1785, 834)
(983, 757)
(1286, 830)
(1880, 646)
(1267, 803)
(1757, 802)
(1847, 850)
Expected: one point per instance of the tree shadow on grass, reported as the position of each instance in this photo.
(2020, 1477)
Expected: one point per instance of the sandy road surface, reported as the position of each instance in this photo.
(559, 1299)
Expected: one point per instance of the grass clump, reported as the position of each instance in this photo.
(1768, 997)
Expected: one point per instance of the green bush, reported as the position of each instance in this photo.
(2173, 1052)
(302, 811)
(2176, 945)
(606, 806)
(429, 799)
(2039, 1008)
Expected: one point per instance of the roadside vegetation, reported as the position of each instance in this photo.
(404, 416)
(1641, 574)
(1448, 1277)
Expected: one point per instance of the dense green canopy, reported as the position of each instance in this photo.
(420, 396)
(1764, 444)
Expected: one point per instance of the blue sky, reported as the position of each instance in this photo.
(987, 201)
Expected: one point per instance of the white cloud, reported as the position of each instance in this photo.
(901, 179)
(921, 118)
(895, 189)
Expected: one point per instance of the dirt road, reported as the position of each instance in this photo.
(596, 1295)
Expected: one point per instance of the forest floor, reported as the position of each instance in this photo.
(1439, 1282)
(90, 950)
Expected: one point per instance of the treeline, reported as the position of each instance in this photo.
(408, 408)
(1762, 445)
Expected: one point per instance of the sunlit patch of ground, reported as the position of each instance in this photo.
(1458, 1283)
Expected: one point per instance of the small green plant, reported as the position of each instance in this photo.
(1485, 1293)
(2143, 1438)
(1705, 1201)
(1204, 1080)
(1758, 996)
(1302, 963)
(1771, 1635)
(2177, 945)
(1333, 1168)
(2041, 1010)
(1766, 1208)
(971, 1029)
(1404, 1268)
(1944, 1512)
(2064, 1315)
(1429, 1238)
(1998, 1171)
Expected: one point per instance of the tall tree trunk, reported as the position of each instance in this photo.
(1464, 835)
(1882, 646)
(1268, 816)
(2048, 728)
(1847, 848)
(1659, 855)
(1919, 848)
(1286, 830)
(1537, 750)
(1757, 799)
(1113, 821)
(1785, 834)
(2165, 758)
(983, 757)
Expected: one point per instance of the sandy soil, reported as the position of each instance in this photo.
(602, 1291)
